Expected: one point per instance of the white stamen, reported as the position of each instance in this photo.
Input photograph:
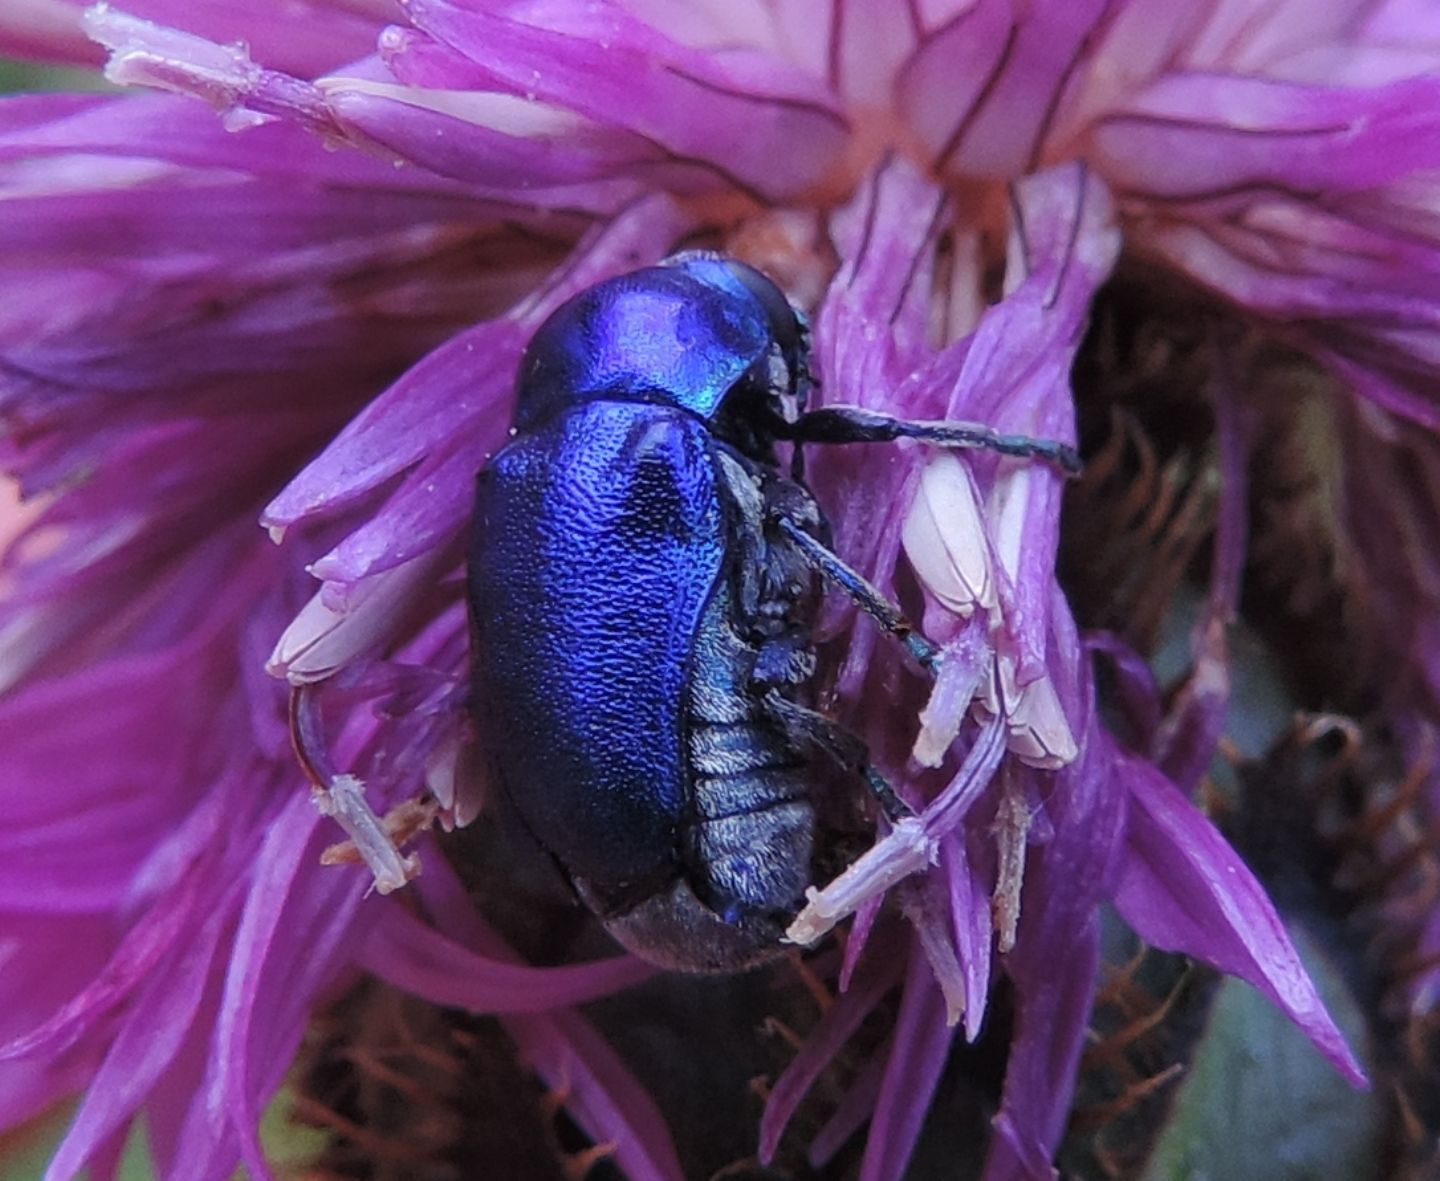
(944, 537)
(345, 803)
(907, 849)
(1039, 732)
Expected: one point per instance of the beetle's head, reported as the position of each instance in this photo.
(776, 384)
(702, 332)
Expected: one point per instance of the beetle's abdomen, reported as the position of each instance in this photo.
(749, 831)
(752, 830)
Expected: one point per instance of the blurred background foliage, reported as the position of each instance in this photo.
(27, 76)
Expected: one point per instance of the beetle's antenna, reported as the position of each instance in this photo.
(855, 424)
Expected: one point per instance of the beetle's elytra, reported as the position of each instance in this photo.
(643, 581)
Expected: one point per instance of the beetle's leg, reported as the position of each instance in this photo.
(864, 592)
(851, 424)
(808, 727)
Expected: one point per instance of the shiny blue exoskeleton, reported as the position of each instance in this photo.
(642, 587)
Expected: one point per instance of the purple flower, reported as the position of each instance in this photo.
(307, 312)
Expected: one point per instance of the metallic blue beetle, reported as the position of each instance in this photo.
(643, 581)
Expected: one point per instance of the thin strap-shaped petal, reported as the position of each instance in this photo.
(763, 125)
(877, 974)
(415, 957)
(464, 386)
(917, 1057)
(158, 1022)
(601, 1094)
(1183, 888)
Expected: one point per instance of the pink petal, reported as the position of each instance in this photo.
(464, 387)
(159, 1019)
(760, 125)
(601, 1093)
(983, 88)
(970, 890)
(1192, 134)
(1183, 888)
(417, 958)
(303, 37)
(912, 1071)
(876, 976)
(1056, 952)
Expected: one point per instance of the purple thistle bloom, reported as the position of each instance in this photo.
(308, 311)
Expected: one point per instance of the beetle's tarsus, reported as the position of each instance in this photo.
(808, 727)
